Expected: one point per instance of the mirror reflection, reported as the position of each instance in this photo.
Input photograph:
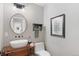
(18, 23)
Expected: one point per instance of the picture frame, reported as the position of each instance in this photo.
(58, 25)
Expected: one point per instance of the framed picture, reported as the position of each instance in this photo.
(58, 25)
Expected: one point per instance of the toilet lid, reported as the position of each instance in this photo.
(42, 53)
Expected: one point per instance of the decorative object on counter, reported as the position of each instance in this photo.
(58, 26)
(29, 42)
(37, 28)
(32, 44)
(18, 23)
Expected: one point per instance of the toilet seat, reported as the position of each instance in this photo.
(42, 53)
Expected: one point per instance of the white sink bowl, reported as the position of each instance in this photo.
(18, 43)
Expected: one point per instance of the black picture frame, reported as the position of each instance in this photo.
(58, 25)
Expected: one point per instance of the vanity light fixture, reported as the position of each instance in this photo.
(19, 5)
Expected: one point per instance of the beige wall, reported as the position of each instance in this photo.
(33, 14)
(69, 45)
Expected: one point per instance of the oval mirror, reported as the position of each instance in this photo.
(18, 23)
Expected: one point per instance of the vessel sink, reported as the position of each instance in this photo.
(18, 43)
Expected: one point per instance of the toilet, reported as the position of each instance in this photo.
(40, 50)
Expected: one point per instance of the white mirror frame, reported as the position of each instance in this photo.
(17, 26)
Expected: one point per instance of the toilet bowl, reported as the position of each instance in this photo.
(40, 50)
(42, 53)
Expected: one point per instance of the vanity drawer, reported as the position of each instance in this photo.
(25, 51)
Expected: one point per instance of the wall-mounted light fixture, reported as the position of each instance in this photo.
(19, 5)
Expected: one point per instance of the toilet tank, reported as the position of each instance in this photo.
(39, 46)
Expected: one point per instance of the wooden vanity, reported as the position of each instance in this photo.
(24, 51)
